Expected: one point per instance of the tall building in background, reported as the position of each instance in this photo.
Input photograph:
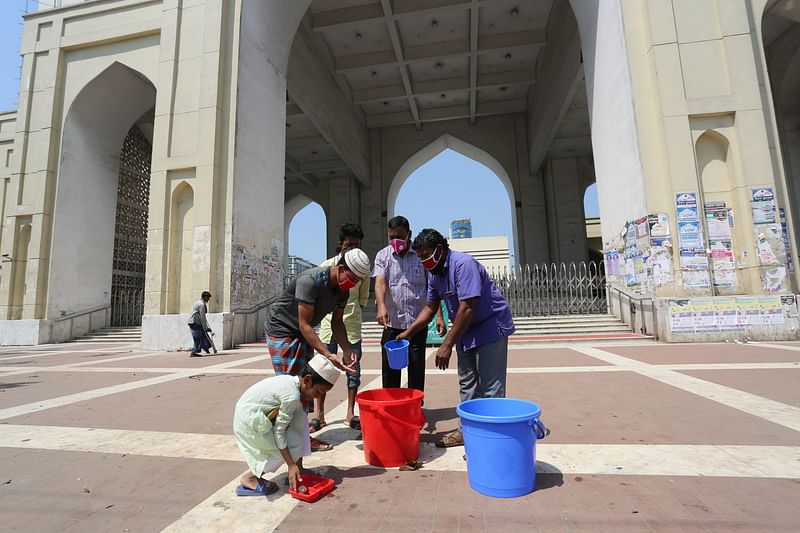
(461, 229)
(295, 265)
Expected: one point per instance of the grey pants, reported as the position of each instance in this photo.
(482, 370)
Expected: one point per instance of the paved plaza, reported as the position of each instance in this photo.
(645, 437)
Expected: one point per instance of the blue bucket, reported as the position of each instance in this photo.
(397, 353)
(500, 441)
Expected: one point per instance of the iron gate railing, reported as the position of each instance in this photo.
(127, 307)
(553, 289)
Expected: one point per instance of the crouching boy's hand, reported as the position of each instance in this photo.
(294, 476)
(294, 470)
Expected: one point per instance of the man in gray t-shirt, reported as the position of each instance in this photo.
(291, 338)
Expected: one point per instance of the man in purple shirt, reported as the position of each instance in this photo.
(481, 321)
(401, 288)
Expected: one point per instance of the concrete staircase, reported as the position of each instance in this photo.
(547, 329)
(120, 335)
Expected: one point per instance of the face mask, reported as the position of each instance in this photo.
(346, 284)
(399, 245)
(431, 262)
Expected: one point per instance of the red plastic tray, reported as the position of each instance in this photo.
(317, 486)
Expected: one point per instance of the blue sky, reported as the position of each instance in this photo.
(467, 189)
(10, 32)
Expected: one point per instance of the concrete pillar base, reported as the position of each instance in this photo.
(171, 332)
(25, 332)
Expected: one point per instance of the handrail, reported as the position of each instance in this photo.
(77, 314)
(255, 308)
(642, 300)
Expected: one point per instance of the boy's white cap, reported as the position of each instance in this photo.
(358, 262)
(324, 368)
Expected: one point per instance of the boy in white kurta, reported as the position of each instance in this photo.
(270, 423)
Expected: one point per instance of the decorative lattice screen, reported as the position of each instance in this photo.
(130, 231)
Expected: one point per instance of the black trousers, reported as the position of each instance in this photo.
(416, 360)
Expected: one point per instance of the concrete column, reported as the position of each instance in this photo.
(373, 202)
(565, 217)
(621, 181)
(696, 68)
(343, 206)
(530, 208)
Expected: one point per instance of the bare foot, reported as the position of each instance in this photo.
(249, 480)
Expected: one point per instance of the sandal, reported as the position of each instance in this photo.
(315, 425)
(456, 438)
(320, 445)
(264, 488)
(355, 423)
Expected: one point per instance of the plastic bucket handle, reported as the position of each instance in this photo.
(386, 414)
(538, 428)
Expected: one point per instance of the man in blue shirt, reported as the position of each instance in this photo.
(481, 321)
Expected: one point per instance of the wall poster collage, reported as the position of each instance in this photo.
(729, 313)
(693, 257)
(643, 257)
(771, 239)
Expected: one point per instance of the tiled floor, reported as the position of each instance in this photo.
(645, 437)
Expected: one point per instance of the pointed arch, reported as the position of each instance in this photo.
(294, 206)
(444, 142)
(180, 291)
(98, 120)
(711, 150)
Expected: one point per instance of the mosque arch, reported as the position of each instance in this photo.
(96, 125)
(444, 142)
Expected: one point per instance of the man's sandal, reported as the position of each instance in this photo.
(456, 438)
(320, 445)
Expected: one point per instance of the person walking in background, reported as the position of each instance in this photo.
(199, 325)
(481, 318)
(401, 287)
(350, 235)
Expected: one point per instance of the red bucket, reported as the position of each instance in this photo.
(391, 420)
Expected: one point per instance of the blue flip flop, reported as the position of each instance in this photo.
(264, 488)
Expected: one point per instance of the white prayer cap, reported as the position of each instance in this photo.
(324, 368)
(358, 262)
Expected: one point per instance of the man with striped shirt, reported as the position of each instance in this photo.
(401, 289)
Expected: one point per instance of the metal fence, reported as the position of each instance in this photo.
(553, 288)
(127, 307)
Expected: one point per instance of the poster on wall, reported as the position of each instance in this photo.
(642, 228)
(686, 199)
(771, 310)
(726, 313)
(687, 214)
(717, 223)
(659, 225)
(762, 203)
(772, 279)
(613, 266)
(749, 311)
(769, 242)
(681, 316)
(659, 262)
(786, 245)
(705, 314)
(690, 235)
(789, 304)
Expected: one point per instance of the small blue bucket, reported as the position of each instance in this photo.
(397, 353)
(500, 441)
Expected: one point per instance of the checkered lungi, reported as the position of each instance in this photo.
(289, 355)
